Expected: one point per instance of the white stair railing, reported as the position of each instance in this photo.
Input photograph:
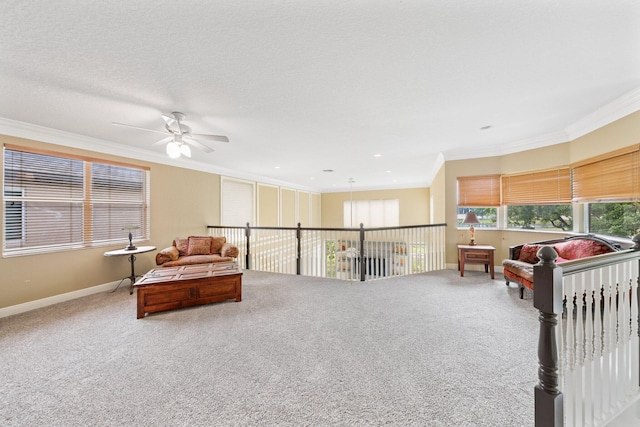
(589, 348)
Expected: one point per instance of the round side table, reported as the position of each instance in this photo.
(132, 260)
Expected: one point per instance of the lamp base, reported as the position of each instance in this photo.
(131, 246)
(472, 243)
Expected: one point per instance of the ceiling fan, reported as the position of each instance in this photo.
(179, 136)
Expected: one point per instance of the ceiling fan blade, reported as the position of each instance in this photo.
(218, 138)
(172, 124)
(138, 127)
(197, 144)
(163, 141)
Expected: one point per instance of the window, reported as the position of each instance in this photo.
(613, 177)
(371, 213)
(539, 200)
(53, 202)
(610, 184)
(488, 217)
(14, 224)
(540, 217)
(480, 194)
(620, 219)
(479, 191)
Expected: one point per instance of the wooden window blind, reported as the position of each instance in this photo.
(56, 202)
(479, 191)
(548, 187)
(610, 177)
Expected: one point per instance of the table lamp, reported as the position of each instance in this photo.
(471, 219)
(131, 246)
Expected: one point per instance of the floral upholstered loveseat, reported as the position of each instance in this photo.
(197, 250)
(519, 267)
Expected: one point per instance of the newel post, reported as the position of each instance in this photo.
(298, 250)
(547, 298)
(247, 257)
(363, 261)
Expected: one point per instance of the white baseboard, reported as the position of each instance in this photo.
(32, 305)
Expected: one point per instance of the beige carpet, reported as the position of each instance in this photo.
(426, 350)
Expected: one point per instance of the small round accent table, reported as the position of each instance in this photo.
(132, 260)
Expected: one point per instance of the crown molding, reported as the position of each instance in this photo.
(615, 110)
(607, 114)
(67, 139)
(510, 148)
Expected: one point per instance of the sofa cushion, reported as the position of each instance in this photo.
(181, 245)
(528, 253)
(580, 248)
(199, 245)
(217, 243)
(518, 271)
(197, 259)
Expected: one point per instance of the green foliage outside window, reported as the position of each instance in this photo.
(614, 219)
(540, 217)
(488, 217)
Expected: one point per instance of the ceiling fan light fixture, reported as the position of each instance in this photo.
(185, 150)
(173, 150)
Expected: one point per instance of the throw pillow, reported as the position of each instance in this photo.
(181, 245)
(229, 250)
(166, 255)
(528, 253)
(199, 245)
(216, 245)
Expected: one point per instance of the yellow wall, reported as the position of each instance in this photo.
(288, 207)
(316, 210)
(619, 134)
(268, 213)
(304, 209)
(414, 205)
(183, 203)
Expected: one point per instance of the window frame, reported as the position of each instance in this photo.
(81, 203)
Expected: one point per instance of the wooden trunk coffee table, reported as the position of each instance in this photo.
(169, 288)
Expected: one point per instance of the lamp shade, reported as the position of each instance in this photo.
(471, 218)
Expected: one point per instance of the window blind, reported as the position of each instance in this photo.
(371, 213)
(479, 191)
(610, 177)
(53, 202)
(548, 187)
(237, 205)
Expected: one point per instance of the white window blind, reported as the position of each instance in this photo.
(372, 213)
(53, 202)
(237, 202)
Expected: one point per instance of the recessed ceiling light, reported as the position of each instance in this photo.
(377, 155)
(277, 167)
(388, 171)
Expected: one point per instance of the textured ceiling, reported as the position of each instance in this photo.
(304, 86)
